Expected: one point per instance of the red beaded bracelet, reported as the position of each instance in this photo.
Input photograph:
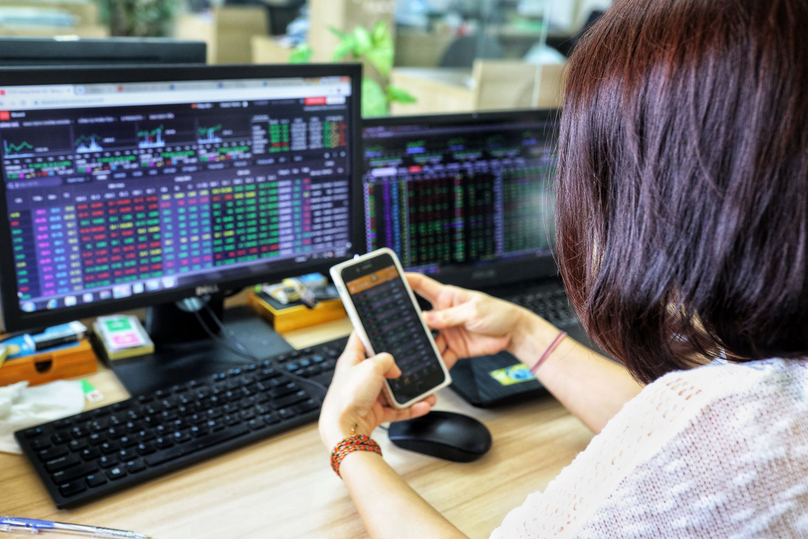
(355, 442)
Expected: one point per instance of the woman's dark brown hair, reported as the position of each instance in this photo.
(683, 182)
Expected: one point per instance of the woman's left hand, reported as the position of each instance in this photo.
(356, 397)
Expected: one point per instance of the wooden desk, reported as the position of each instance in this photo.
(284, 487)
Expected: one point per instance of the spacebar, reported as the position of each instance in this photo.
(197, 445)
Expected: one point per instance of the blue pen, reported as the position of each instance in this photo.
(31, 527)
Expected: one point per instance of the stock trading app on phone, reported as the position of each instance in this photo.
(393, 325)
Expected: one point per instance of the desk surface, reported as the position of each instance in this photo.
(284, 487)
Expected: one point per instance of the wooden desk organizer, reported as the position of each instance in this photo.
(50, 365)
(295, 315)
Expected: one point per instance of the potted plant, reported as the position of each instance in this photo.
(376, 50)
(139, 18)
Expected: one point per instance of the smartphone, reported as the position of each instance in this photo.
(386, 315)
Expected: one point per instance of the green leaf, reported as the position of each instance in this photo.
(363, 42)
(301, 54)
(382, 59)
(399, 95)
(339, 33)
(374, 100)
(346, 46)
(380, 33)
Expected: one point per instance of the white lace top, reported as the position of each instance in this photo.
(720, 451)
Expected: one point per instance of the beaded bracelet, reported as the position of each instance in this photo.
(355, 442)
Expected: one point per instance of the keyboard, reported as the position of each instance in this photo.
(99, 452)
(553, 305)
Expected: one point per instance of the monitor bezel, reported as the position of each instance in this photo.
(90, 52)
(16, 320)
(496, 273)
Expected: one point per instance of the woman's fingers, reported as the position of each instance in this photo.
(427, 288)
(384, 365)
(353, 354)
(391, 415)
(449, 318)
(449, 355)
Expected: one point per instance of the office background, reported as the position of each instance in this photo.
(446, 55)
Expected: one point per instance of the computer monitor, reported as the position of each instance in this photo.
(70, 51)
(124, 188)
(465, 198)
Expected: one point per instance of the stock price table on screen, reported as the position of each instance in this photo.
(393, 326)
(108, 203)
(466, 197)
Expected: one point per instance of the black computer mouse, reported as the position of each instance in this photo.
(444, 435)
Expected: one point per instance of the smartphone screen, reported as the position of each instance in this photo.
(393, 325)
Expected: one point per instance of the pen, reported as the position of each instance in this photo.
(30, 527)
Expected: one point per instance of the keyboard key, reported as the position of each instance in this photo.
(256, 423)
(284, 390)
(180, 436)
(75, 472)
(163, 443)
(89, 454)
(73, 488)
(146, 449)
(108, 461)
(126, 454)
(34, 432)
(291, 399)
(116, 473)
(61, 463)
(135, 466)
(53, 453)
(77, 445)
(38, 444)
(128, 441)
(61, 437)
(307, 406)
(286, 413)
(109, 448)
(96, 480)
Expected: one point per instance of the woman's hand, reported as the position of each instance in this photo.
(355, 396)
(470, 323)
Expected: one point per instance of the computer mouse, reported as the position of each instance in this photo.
(445, 435)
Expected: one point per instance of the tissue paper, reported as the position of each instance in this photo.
(22, 407)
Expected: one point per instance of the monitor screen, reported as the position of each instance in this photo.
(461, 195)
(115, 191)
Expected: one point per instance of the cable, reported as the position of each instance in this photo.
(241, 350)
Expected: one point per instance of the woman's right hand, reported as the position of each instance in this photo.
(470, 323)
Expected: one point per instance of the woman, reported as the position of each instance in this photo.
(683, 240)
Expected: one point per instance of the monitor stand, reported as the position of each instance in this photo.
(184, 352)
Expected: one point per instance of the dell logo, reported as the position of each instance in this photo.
(207, 289)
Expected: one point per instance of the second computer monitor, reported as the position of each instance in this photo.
(32, 51)
(467, 198)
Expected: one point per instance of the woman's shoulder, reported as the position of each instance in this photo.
(681, 409)
(722, 377)
(736, 464)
